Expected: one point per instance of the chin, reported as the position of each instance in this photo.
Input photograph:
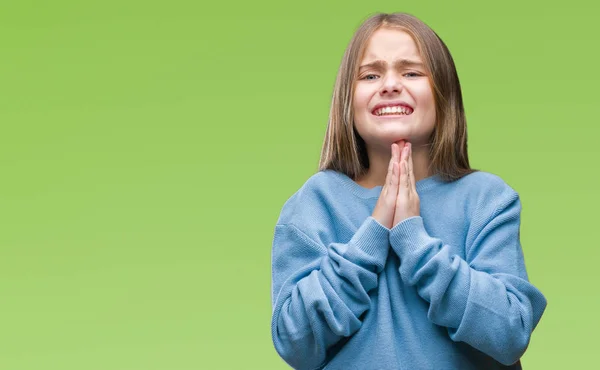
(385, 142)
(393, 136)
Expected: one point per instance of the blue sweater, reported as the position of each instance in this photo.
(444, 290)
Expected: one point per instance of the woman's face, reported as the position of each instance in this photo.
(392, 77)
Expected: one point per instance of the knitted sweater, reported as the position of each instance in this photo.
(444, 290)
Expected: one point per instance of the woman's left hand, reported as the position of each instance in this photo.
(407, 202)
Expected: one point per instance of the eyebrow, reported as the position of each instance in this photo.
(380, 64)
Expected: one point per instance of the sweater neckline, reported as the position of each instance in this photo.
(374, 192)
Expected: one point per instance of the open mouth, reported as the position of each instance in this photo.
(395, 110)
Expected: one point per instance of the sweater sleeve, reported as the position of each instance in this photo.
(320, 292)
(486, 300)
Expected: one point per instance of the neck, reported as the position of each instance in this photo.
(379, 163)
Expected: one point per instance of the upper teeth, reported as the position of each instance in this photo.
(394, 109)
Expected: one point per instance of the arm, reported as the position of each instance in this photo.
(485, 301)
(319, 293)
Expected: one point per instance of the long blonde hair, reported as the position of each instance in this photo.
(345, 151)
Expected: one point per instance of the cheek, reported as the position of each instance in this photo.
(431, 115)
(359, 101)
(361, 98)
(426, 100)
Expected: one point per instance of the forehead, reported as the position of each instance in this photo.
(390, 44)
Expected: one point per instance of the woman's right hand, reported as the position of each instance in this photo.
(386, 204)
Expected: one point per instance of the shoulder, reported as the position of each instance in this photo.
(486, 193)
(485, 186)
(312, 201)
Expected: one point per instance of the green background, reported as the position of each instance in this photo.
(147, 148)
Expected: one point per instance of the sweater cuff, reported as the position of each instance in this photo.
(409, 235)
(372, 238)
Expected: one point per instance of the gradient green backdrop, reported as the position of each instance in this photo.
(147, 148)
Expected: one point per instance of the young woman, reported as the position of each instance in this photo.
(396, 254)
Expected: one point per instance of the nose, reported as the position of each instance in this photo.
(391, 85)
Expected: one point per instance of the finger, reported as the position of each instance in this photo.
(404, 152)
(404, 162)
(406, 184)
(393, 191)
(389, 177)
(396, 155)
(396, 148)
(401, 145)
(402, 178)
(391, 188)
(402, 195)
(411, 174)
(396, 172)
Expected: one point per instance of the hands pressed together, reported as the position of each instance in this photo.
(399, 199)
